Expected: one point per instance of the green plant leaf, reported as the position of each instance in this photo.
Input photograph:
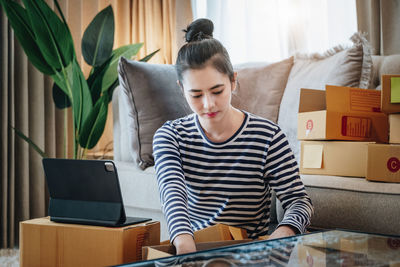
(93, 126)
(81, 98)
(18, 19)
(51, 34)
(111, 73)
(61, 100)
(149, 56)
(98, 39)
(110, 90)
(95, 80)
(30, 142)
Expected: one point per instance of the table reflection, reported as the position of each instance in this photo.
(331, 248)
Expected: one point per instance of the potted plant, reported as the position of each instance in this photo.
(46, 39)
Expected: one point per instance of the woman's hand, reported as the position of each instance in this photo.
(282, 231)
(184, 244)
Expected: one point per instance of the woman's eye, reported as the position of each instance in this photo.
(196, 96)
(217, 93)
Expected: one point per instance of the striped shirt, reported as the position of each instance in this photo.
(202, 183)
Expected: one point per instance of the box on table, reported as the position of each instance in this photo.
(394, 128)
(390, 102)
(343, 158)
(207, 238)
(162, 251)
(341, 113)
(384, 163)
(47, 243)
(218, 232)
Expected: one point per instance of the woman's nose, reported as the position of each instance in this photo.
(208, 102)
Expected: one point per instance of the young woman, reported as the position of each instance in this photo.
(219, 164)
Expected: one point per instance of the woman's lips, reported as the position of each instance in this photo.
(211, 114)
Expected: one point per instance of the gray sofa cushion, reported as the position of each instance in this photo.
(152, 97)
(353, 204)
(261, 86)
(338, 66)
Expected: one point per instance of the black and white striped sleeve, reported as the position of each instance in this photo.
(171, 181)
(283, 174)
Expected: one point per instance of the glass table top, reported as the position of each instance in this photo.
(330, 248)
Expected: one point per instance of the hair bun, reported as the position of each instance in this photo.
(198, 30)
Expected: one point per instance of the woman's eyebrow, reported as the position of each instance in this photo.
(216, 86)
(212, 88)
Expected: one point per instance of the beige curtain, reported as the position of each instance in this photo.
(381, 20)
(26, 98)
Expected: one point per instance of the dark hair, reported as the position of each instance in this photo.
(202, 47)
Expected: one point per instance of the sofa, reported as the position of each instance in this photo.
(270, 90)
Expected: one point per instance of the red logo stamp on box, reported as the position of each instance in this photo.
(393, 243)
(356, 126)
(393, 164)
(309, 126)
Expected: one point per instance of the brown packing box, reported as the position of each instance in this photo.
(343, 158)
(218, 232)
(394, 128)
(386, 105)
(46, 243)
(384, 163)
(161, 251)
(372, 247)
(207, 238)
(341, 113)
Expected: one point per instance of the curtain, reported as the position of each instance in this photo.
(380, 19)
(26, 98)
(271, 30)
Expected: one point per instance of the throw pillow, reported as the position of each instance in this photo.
(261, 86)
(152, 97)
(338, 66)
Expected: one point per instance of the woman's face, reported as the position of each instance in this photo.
(208, 92)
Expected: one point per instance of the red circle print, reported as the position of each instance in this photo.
(393, 164)
(309, 125)
(393, 243)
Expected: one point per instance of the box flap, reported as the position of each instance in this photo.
(311, 100)
(150, 252)
(350, 99)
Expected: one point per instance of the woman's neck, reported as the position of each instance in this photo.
(225, 128)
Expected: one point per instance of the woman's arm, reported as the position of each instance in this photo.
(283, 174)
(172, 188)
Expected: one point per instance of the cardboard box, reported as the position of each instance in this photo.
(378, 248)
(47, 243)
(384, 163)
(162, 251)
(218, 232)
(394, 128)
(341, 113)
(387, 105)
(343, 158)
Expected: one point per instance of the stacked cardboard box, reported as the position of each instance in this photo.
(384, 159)
(350, 115)
(47, 243)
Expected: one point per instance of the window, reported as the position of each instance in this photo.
(271, 30)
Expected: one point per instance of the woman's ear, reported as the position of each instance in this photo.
(234, 82)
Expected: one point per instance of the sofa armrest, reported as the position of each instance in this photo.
(120, 129)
